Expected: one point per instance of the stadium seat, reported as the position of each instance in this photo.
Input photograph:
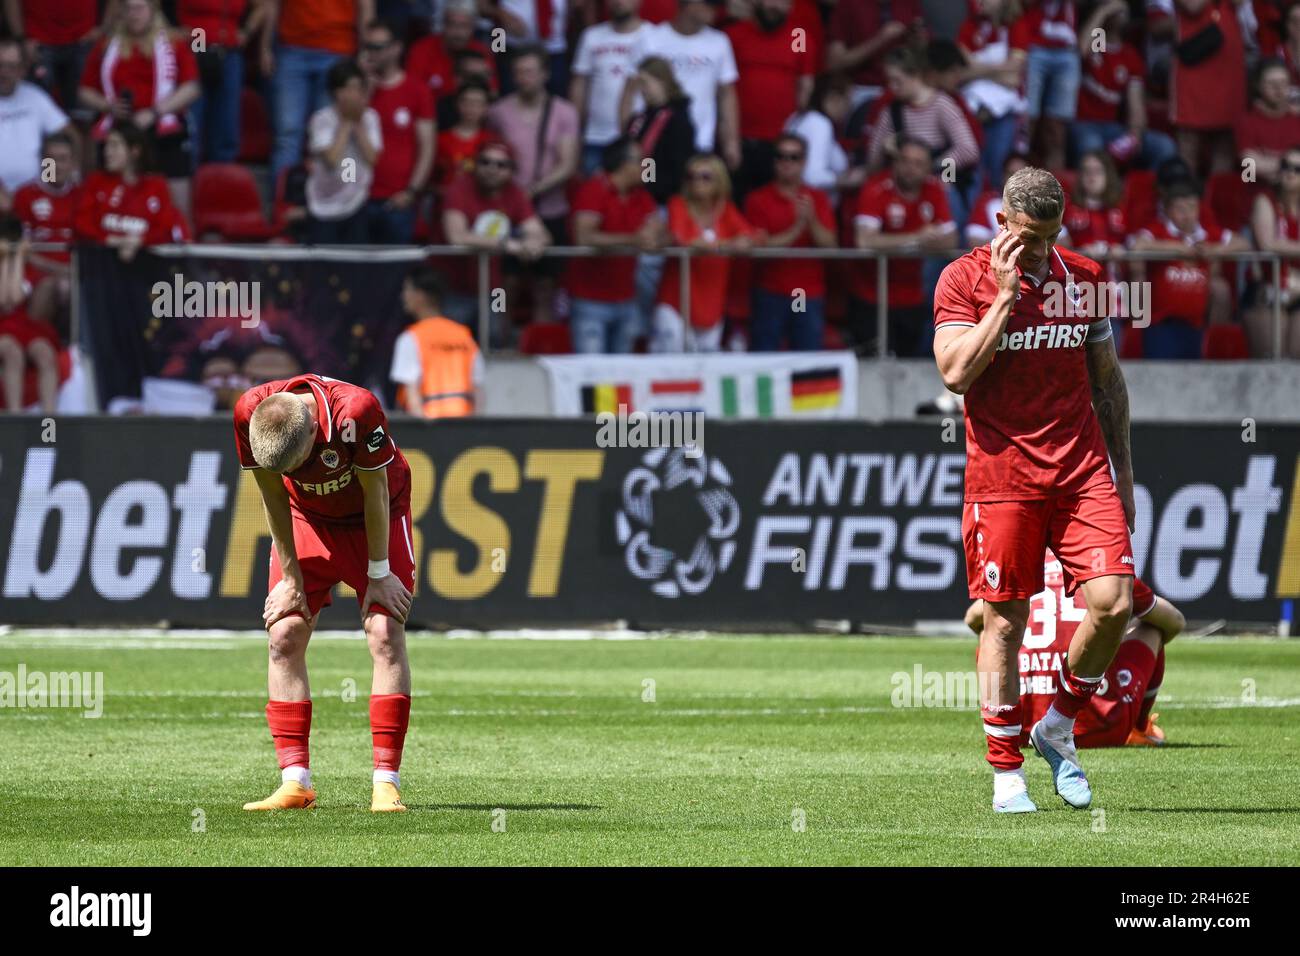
(227, 204)
(1230, 199)
(1139, 200)
(254, 128)
(545, 338)
(1226, 343)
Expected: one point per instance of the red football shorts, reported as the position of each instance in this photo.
(1005, 541)
(1113, 710)
(329, 553)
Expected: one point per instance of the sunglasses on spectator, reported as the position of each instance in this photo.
(1291, 168)
(495, 163)
(378, 47)
(790, 157)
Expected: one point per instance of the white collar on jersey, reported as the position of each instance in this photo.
(1069, 277)
(325, 404)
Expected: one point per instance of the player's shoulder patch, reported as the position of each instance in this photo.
(375, 439)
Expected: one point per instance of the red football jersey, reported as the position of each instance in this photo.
(1089, 224)
(110, 206)
(47, 214)
(1106, 77)
(351, 432)
(1053, 618)
(1181, 289)
(400, 108)
(1031, 432)
(880, 204)
(1047, 23)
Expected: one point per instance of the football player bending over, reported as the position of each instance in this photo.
(1120, 712)
(337, 496)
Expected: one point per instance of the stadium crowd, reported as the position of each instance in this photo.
(514, 125)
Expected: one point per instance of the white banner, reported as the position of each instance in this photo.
(721, 385)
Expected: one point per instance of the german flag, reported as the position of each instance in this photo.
(606, 398)
(814, 389)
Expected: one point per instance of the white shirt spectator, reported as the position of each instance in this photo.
(702, 62)
(526, 10)
(608, 58)
(331, 194)
(27, 116)
(826, 160)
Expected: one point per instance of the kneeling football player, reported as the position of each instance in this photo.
(337, 496)
(1120, 711)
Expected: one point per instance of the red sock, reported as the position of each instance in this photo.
(1073, 693)
(1002, 730)
(290, 723)
(1153, 688)
(390, 714)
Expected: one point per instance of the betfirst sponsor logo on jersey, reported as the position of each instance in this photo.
(1049, 336)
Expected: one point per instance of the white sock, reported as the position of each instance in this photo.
(1008, 783)
(299, 775)
(387, 776)
(1056, 724)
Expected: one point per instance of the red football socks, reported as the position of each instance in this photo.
(290, 723)
(1002, 730)
(390, 714)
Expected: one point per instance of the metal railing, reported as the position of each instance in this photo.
(683, 254)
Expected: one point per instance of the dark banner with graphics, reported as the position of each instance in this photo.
(188, 333)
(539, 523)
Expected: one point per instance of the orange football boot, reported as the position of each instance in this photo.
(290, 795)
(1150, 736)
(384, 798)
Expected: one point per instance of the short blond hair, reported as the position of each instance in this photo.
(1034, 192)
(278, 430)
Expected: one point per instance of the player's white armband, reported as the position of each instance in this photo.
(1099, 331)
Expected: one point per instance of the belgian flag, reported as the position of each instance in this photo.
(607, 398)
(815, 388)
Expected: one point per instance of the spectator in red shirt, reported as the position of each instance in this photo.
(1207, 81)
(789, 296)
(776, 80)
(903, 214)
(1093, 217)
(983, 225)
(59, 36)
(991, 81)
(46, 210)
(459, 143)
(214, 118)
(24, 341)
(1185, 297)
(612, 208)
(1287, 49)
(702, 217)
(145, 75)
(1112, 111)
(432, 59)
(1275, 224)
(861, 33)
(405, 108)
(466, 65)
(1272, 126)
(1046, 31)
(487, 209)
(124, 206)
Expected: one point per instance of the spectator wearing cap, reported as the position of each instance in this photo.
(403, 167)
(308, 38)
(344, 139)
(27, 116)
(903, 214)
(437, 364)
(1275, 225)
(58, 37)
(1272, 126)
(606, 58)
(991, 80)
(789, 296)
(612, 208)
(542, 132)
(1112, 112)
(862, 32)
(145, 75)
(1185, 295)
(487, 210)
(1208, 81)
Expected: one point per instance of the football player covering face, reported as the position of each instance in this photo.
(336, 490)
(1046, 421)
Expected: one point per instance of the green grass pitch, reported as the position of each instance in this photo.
(743, 736)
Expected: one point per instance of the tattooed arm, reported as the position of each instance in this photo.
(1110, 401)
